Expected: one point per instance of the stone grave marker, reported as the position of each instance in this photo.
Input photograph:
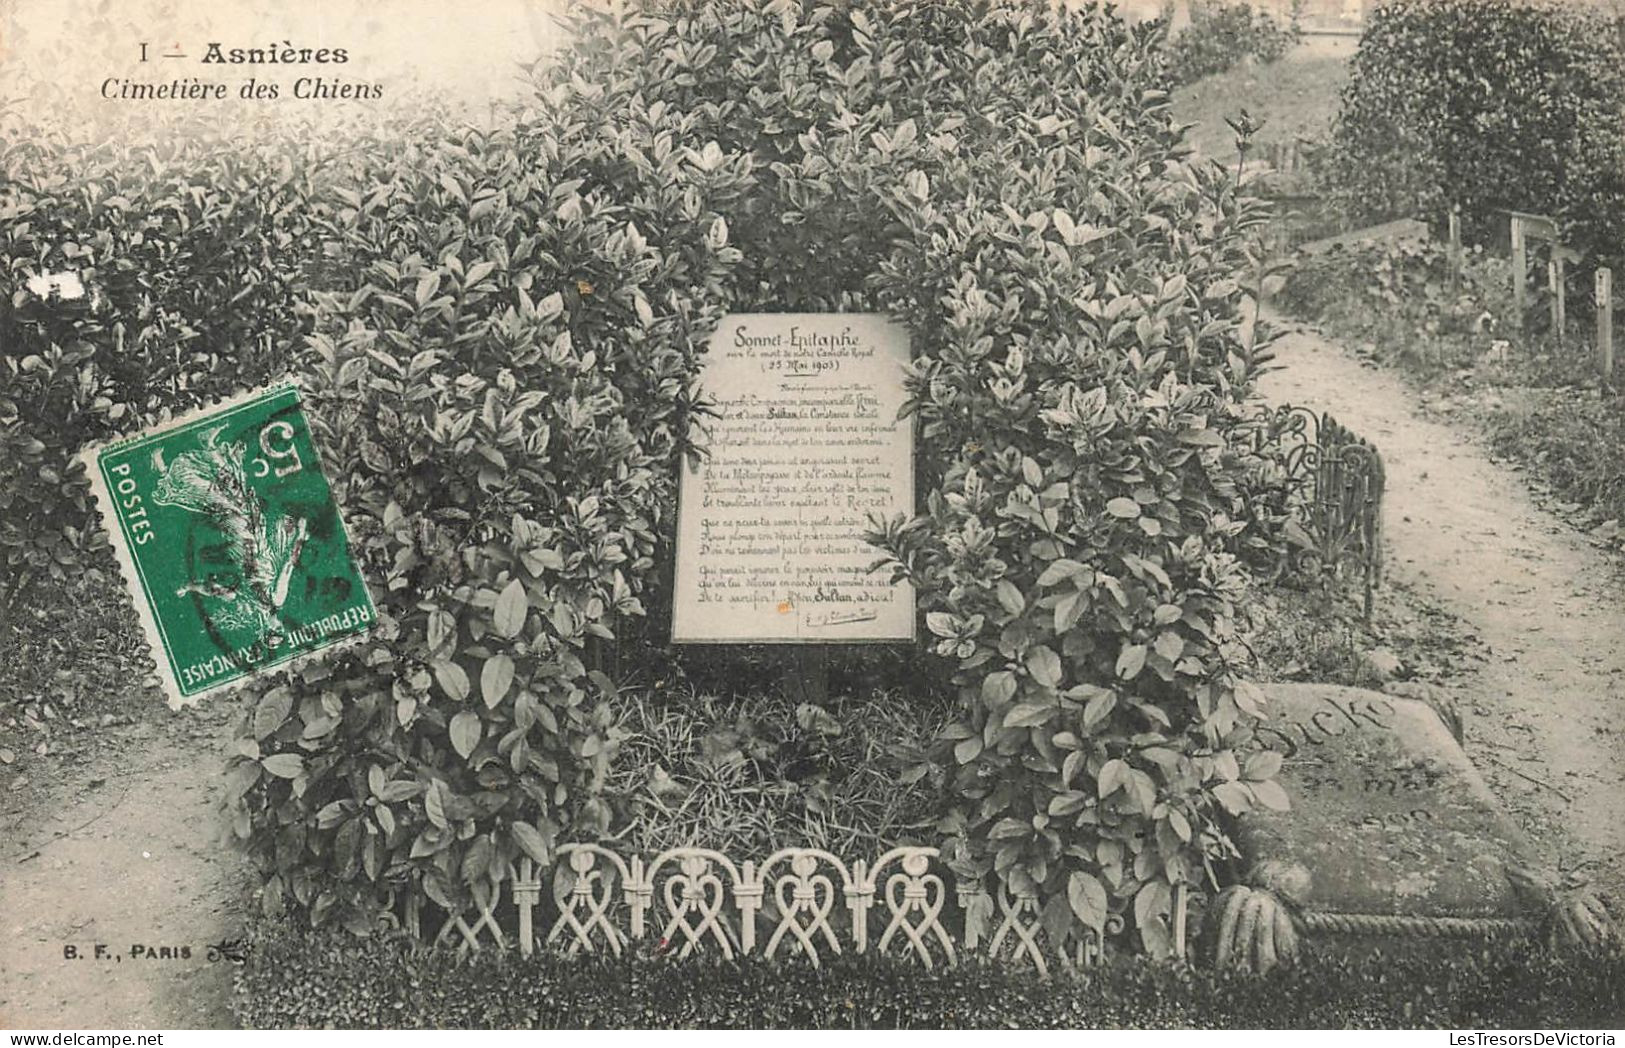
(1392, 832)
(1388, 814)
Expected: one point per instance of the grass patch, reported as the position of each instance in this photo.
(302, 980)
(749, 773)
(1574, 439)
(1295, 98)
(1316, 634)
(77, 643)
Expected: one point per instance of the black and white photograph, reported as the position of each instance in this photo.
(672, 515)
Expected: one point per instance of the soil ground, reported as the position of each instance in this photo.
(125, 850)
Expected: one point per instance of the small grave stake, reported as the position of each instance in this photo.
(1554, 284)
(1605, 324)
(1520, 270)
(1455, 250)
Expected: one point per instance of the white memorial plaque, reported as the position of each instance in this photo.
(807, 444)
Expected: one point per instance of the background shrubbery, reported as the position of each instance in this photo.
(1396, 295)
(191, 260)
(1489, 105)
(319, 980)
(1223, 34)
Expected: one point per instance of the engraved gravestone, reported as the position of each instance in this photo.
(1388, 814)
(805, 445)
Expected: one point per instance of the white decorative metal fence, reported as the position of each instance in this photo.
(803, 901)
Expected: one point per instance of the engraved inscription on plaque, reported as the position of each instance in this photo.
(805, 446)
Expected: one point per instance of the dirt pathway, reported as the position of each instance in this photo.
(128, 856)
(1545, 716)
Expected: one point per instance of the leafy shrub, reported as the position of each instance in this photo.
(185, 263)
(501, 348)
(301, 980)
(501, 332)
(501, 371)
(992, 166)
(1487, 104)
(1079, 382)
(1223, 34)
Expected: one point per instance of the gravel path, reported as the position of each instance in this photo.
(132, 857)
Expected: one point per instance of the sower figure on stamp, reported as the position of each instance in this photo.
(213, 482)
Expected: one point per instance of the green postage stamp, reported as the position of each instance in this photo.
(231, 542)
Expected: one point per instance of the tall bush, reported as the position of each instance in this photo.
(180, 266)
(1490, 105)
(504, 368)
(501, 368)
(1069, 273)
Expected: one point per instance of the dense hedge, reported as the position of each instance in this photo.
(324, 980)
(188, 260)
(1487, 104)
(499, 329)
(502, 371)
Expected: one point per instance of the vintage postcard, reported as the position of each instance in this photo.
(853, 515)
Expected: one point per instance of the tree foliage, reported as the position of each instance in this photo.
(1222, 35)
(1488, 105)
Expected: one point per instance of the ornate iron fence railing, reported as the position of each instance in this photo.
(1336, 481)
